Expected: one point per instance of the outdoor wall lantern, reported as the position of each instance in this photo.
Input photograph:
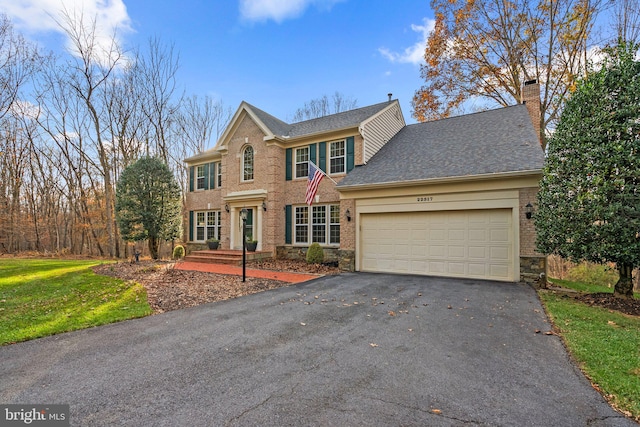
(528, 210)
(243, 215)
(226, 207)
(264, 206)
(348, 215)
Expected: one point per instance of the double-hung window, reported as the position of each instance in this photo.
(207, 225)
(200, 177)
(302, 162)
(219, 174)
(317, 224)
(337, 157)
(247, 164)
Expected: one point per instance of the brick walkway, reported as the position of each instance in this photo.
(233, 270)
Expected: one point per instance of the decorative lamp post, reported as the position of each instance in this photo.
(243, 215)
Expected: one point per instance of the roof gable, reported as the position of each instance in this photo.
(490, 142)
(274, 128)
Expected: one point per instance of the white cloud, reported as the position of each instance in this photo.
(37, 16)
(279, 10)
(413, 54)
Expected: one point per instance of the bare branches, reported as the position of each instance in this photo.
(18, 61)
(322, 106)
(487, 49)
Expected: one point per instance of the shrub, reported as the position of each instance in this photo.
(315, 254)
(178, 252)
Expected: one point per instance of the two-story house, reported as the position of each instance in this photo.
(260, 163)
(452, 197)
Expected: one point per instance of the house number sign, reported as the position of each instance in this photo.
(425, 199)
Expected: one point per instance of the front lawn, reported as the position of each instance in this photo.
(40, 297)
(605, 343)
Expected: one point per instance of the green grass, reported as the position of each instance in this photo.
(40, 297)
(585, 287)
(605, 344)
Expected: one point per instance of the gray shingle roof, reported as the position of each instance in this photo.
(277, 126)
(489, 142)
(342, 120)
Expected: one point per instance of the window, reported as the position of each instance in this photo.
(207, 225)
(302, 224)
(323, 226)
(200, 177)
(247, 164)
(319, 227)
(302, 162)
(334, 225)
(337, 157)
(219, 174)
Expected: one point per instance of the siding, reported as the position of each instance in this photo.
(378, 130)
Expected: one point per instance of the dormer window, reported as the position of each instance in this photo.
(247, 164)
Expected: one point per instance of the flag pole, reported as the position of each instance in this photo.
(322, 172)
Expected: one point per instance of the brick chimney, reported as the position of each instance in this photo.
(531, 98)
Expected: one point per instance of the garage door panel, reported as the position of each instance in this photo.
(499, 271)
(456, 251)
(457, 268)
(477, 252)
(476, 243)
(436, 268)
(499, 254)
(499, 235)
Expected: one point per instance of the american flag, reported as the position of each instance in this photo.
(315, 176)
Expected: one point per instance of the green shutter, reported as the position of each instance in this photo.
(212, 175)
(312, 153)
(351, 154)
(323, 156)
(288, 165)
(191, 173)
(287, 224)
(191, 226)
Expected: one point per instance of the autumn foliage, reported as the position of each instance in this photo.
(484, 50)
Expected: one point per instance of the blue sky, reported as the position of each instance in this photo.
(274, 54)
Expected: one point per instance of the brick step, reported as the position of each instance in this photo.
(213, 260)
(230, 257)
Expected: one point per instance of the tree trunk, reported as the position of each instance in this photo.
(153, 247)
(624, 287)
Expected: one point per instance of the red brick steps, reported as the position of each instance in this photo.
(227, 257)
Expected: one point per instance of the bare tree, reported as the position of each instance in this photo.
(18, 61)
(156, 73)
(626, 14)
(322, 106)
(200, 123)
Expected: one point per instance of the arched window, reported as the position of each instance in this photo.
(247, 164)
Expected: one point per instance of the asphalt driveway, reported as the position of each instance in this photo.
(349, 350)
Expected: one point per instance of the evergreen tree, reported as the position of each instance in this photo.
(148, 203)
(589, 199)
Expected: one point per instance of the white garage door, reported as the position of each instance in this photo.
(475, 244)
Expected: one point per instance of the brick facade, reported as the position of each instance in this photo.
(269, 187)
(533, 265)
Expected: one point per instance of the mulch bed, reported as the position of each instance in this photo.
(170, 289)
(608, 301)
